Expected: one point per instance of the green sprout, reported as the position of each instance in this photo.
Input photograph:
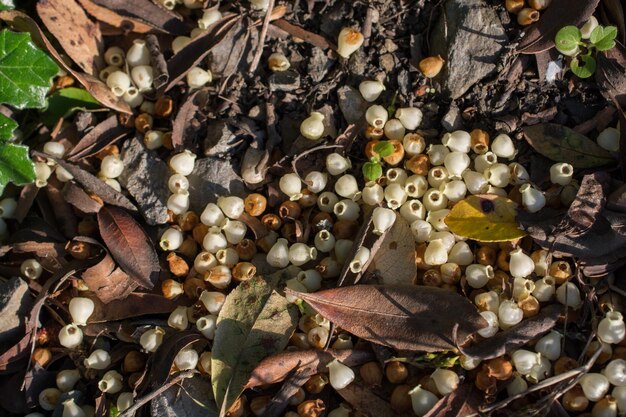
(373, 169)
(570, 42)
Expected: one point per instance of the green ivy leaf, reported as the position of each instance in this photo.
(15, 165)
(25, 71)
(7, 126)
(587, 68)
(372, 171)
(567, 40)
(63, 103)
(7, 5)
(603, 37)
(383, 148)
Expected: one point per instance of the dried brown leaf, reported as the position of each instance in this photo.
(463, 401)
(137, 16)
(63, 213)
(96, 88)
(395, 259)
(516, 336)
(15, 353)
(197, 49)
(78, 198)
(588, 204)
(540, 36)
(135, 305)
(289, 388)
(617, 199)
(130, 245)
(610, 75)
(365, 400)
(613, 12)
(562, 144)
(102, 135)
(276, 368)
(165, 354)
(79, 37)
(25, 202)
(108, 281)
(109, 17)
(588, 231)
(185, 126)
(403, 317)
(95, 185)
(258, 229)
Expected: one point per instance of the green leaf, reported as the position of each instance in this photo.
(255, 322)
(562, 144)
(587, 68)
(603, 37)
(372, 171)
(25, 71)
(567, 39)
(63, 103)
(15, 165)
(7, 126)
(383, 148)
(7, 5)
(485, 218)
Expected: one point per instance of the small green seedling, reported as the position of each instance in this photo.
(373, 169)
(573, 42)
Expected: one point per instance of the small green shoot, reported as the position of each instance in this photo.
(570, 42)
(373, 169)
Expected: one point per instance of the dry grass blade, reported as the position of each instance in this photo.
(130, 245)
(79, 37)
(402, 317)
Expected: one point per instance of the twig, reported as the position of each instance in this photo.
(129, 412)
(262, 36)
(574, 373)
(367, 24)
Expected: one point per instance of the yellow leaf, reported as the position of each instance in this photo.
(486, 218)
